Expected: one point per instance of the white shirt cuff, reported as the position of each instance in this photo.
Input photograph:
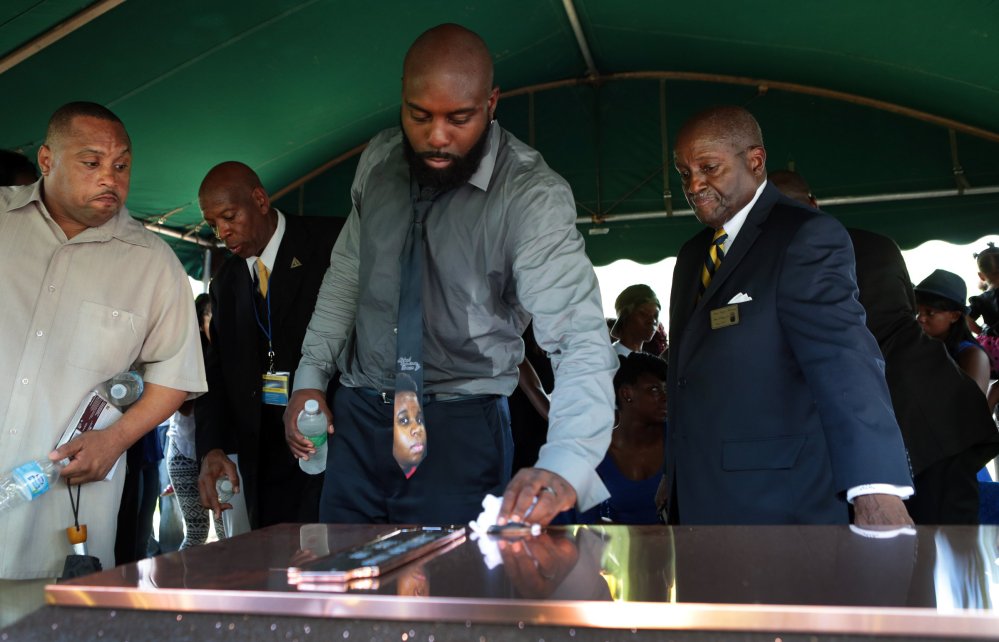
(884, 532)
(905, 492)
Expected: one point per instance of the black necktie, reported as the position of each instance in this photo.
(409, 328)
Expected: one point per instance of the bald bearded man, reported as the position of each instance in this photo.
(255, 330)
(779, 411)
(500, 247)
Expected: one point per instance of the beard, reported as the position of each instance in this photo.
(450, 177)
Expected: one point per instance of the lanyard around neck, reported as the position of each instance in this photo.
(268, 331)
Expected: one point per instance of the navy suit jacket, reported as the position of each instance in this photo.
(230, 415)
(773, 418)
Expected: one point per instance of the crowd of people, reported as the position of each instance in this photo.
(793, 388)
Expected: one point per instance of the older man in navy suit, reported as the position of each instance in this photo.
(779, 411)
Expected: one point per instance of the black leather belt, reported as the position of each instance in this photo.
(388, 396)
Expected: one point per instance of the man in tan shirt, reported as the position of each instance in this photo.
(88, 293)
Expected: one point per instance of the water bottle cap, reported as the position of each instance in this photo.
(118, 391)
(312, 406)
(225, 484)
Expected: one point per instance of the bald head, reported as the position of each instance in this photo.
(721, 160)
(235, 204)
(792, 185)
(227, 177)
(726, 124)
(61, 122)
(452, 50)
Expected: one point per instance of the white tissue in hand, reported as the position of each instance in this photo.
(490, 513)
(487, 545)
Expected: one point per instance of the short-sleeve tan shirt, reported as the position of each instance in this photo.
(75, 312)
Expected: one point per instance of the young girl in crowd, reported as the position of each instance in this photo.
(940, 311)
(637, 310)
(182, 462)
(986, 305)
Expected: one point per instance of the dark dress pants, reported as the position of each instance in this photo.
(947, 491)
(469, 454)
(285, 493)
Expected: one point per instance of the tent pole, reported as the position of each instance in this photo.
(175, 234)
(577, 29)
(57, 33)
(663, 76)
(955, 161)
(596, 145)
(855, 99)
(664, 139)
(319, 170)
(826, 202)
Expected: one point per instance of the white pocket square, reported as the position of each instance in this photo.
(742, 297)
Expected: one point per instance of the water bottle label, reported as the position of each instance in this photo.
(33, 478)
(317, 440)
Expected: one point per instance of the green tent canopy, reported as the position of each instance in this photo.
(890, 112)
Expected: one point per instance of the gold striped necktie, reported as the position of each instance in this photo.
(263, 274)
(716, 252)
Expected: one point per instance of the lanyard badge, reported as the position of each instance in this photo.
(275, 388)
(274, 383)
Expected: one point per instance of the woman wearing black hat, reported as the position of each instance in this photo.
(941, 312)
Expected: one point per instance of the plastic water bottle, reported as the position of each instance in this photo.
(125, 388)
(312, 423)
(26, 482)
(224, 488)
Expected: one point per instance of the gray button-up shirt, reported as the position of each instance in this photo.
(500, 250)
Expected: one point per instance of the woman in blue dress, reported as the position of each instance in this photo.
(633, 466)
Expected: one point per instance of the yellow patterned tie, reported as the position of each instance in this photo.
(263, 274)
(716, 252)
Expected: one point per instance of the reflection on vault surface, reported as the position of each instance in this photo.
(930, 581)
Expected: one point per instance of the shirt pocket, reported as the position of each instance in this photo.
(106, 339)
(772, 453)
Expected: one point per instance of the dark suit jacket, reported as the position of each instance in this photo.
(940, 410)
(772, 419)
(230, 414)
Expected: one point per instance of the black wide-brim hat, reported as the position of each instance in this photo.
(945, 285)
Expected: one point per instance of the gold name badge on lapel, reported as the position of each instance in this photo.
(724, 317)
